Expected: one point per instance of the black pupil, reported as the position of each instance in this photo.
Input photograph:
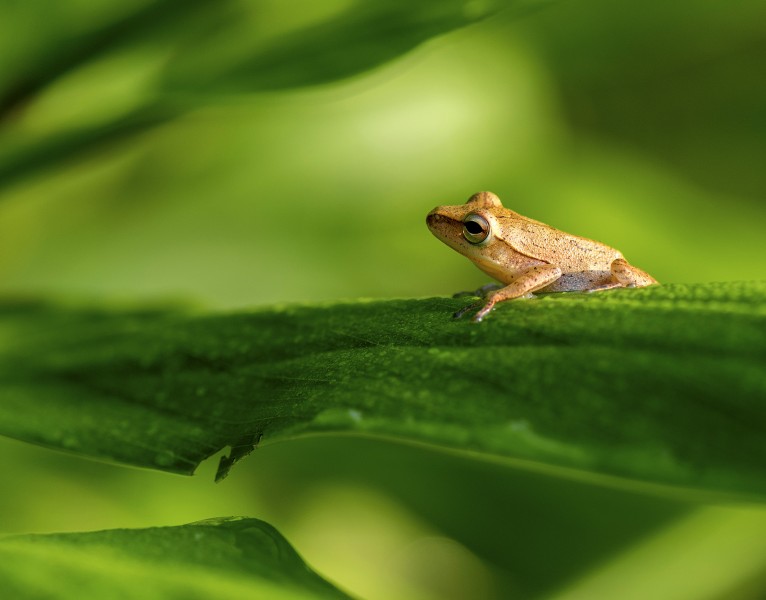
(474, 228)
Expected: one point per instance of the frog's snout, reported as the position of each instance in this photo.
(443, 226)
(438, 223)
(433, 217)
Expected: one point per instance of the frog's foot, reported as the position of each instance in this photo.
(626, 275)
(483, 292)
(484, 310)
(480, 292)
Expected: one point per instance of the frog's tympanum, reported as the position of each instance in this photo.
(526, 255)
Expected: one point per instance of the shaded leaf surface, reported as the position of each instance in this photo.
(662, 384)
(221, 558)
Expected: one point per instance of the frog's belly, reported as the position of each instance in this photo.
(578, 282)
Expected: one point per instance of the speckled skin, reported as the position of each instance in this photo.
(529, 256)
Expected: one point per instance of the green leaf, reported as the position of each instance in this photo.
(661, 384)
(508, 518)
(177, 56)
(363, 36)
(217, 558)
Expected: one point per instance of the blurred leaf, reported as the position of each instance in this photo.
(192, 52)
(363, 36)
(72, 40)
(221, 558)
(24, 159)
(507, 517)
(661, 384)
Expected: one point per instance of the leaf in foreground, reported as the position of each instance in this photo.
(220, 558)
(662, 384)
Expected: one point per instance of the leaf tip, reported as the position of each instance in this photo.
(239, 450)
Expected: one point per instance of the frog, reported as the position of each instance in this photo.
(527, 256)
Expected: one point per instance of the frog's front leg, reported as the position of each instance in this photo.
(529, 281)
(481, 292)
(629, 276)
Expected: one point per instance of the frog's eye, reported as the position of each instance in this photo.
(475, 229)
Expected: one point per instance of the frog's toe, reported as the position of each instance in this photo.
(483, 312)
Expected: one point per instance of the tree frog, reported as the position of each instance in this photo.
(527, 255)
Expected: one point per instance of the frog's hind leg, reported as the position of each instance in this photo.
(627, 275)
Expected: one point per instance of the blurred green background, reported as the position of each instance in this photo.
(239, 153)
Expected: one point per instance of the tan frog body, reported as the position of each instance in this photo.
(526, 255)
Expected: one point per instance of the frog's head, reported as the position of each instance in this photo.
(473, 230)
(467, 228)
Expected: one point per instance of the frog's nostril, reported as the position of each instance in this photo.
(432, 217)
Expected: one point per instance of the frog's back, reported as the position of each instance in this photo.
(571, 253)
